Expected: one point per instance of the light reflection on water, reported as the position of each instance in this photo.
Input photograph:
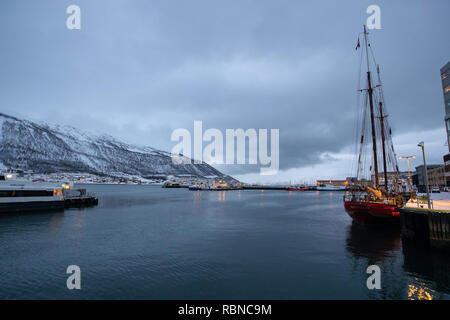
(149, 242)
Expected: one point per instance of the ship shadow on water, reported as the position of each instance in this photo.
(378, 245)
(373, 242)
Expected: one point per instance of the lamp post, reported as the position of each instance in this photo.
(422, 145)
(409, 172)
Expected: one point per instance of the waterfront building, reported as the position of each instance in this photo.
(420, 172)
(336, 183)
(415, 179)
(445, 77)
(447, 169)
(436, 177)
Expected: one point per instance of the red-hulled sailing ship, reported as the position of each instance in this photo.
(370, 199)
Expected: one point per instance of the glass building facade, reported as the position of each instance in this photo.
(445, 76)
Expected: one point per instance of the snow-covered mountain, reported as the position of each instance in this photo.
(42, 148)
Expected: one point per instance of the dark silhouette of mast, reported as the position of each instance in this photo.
(383, 138)
(372, 116)
(384, 147)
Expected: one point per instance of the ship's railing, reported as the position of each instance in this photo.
(422, 202)
(367, 198)
(356, 197)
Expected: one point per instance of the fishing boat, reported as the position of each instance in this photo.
(297, 189)
(330, 187)
(371, 198)
(199, 187)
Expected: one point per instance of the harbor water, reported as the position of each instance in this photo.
(146, 242)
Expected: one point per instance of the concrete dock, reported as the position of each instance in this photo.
(79, 198)
(428, 227)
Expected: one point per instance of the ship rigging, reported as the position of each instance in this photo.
(373, 196)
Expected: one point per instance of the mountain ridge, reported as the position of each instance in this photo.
(43, 148)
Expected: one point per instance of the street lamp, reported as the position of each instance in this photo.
(422, 145)
(409, 172)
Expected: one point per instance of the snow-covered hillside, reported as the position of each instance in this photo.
(42, 148)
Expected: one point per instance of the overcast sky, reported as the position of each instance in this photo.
(140, 69)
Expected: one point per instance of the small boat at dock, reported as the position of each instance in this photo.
(198, 187)
(214, 185)
(173, 185)
(195, 188)
(330, 187)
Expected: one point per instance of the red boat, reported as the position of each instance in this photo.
(368, 199)
(297, 189)
(371, 211)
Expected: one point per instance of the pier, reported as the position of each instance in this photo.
(78, 198)
(264, 188)
(427, 227)
(272, 187)
(80, 202)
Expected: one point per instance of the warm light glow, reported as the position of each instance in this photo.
(415, 293)
(447, 89)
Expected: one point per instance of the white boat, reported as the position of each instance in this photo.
(330, 187)
(25, 196)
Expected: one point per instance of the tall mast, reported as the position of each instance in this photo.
(383, 138)
(384, 147)
(372, 116)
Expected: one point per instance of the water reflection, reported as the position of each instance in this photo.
(420, 292)
(197, 196)
(56, 220)
(428, 272)
(79, 217)
(381, 246)
(429, 269)
(222, 195)
(376, 243)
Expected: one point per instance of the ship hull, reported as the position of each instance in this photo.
(331, 189)
(372, 212)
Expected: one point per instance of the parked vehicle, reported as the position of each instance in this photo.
(435, 189)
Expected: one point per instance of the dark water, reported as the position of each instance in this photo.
(150, 243)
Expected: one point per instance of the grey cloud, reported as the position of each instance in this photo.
(140, 69)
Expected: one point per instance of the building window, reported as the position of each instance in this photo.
(444, 76)
(447, 89)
